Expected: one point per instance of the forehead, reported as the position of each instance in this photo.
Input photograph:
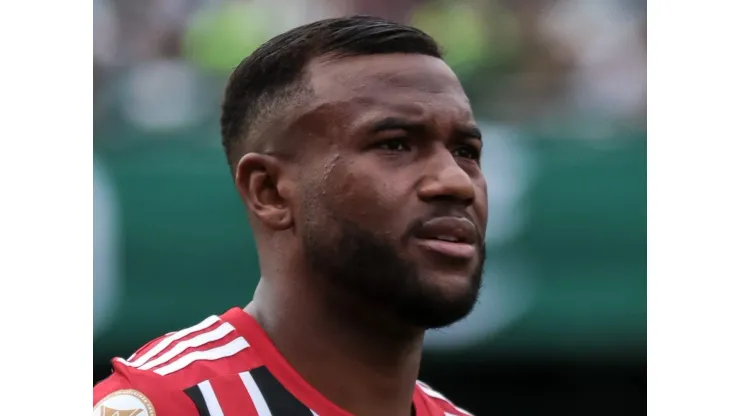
(413, 85)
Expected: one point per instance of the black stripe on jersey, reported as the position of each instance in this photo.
(278, 399)
(197, 397)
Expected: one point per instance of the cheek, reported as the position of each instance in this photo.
(481, 203)
(363, 196)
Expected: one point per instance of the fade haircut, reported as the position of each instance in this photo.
(270, 80)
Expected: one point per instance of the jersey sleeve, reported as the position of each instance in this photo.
(124, 394)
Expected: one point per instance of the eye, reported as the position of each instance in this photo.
(467, 152)
(394, 145)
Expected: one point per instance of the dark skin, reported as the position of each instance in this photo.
(349, 287)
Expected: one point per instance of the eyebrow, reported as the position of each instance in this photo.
(395, 123)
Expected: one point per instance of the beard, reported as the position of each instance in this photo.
(359, 265)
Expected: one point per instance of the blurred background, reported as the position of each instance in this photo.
(559, 87)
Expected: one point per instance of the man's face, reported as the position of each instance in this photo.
(393, 201)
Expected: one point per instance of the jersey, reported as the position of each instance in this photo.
(224, 366)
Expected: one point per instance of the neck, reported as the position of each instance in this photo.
(350, 358)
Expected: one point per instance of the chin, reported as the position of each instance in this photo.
(451, 285)
(441, 301)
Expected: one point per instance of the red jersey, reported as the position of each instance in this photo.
(223, 366)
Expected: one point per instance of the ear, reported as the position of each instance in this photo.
(265, 190)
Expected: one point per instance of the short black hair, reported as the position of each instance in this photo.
(269, 80)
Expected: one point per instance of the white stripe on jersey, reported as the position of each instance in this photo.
(217, 353)
(432, 393)
(254, 391)
(214, 408)
(131, 357)
(196, 341)
(314, 413)
(165, 342)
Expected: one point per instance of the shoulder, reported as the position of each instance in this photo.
(186, 357)
(118, 394)
(437, 401)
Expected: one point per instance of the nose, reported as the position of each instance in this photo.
(444, 179)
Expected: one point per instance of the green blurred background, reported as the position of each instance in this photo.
(558, 87)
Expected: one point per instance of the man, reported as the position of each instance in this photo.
(354, 149)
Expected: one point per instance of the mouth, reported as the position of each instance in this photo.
(452, 237)
(463, 251)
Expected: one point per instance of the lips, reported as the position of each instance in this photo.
(451, 237)
(450, 229)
